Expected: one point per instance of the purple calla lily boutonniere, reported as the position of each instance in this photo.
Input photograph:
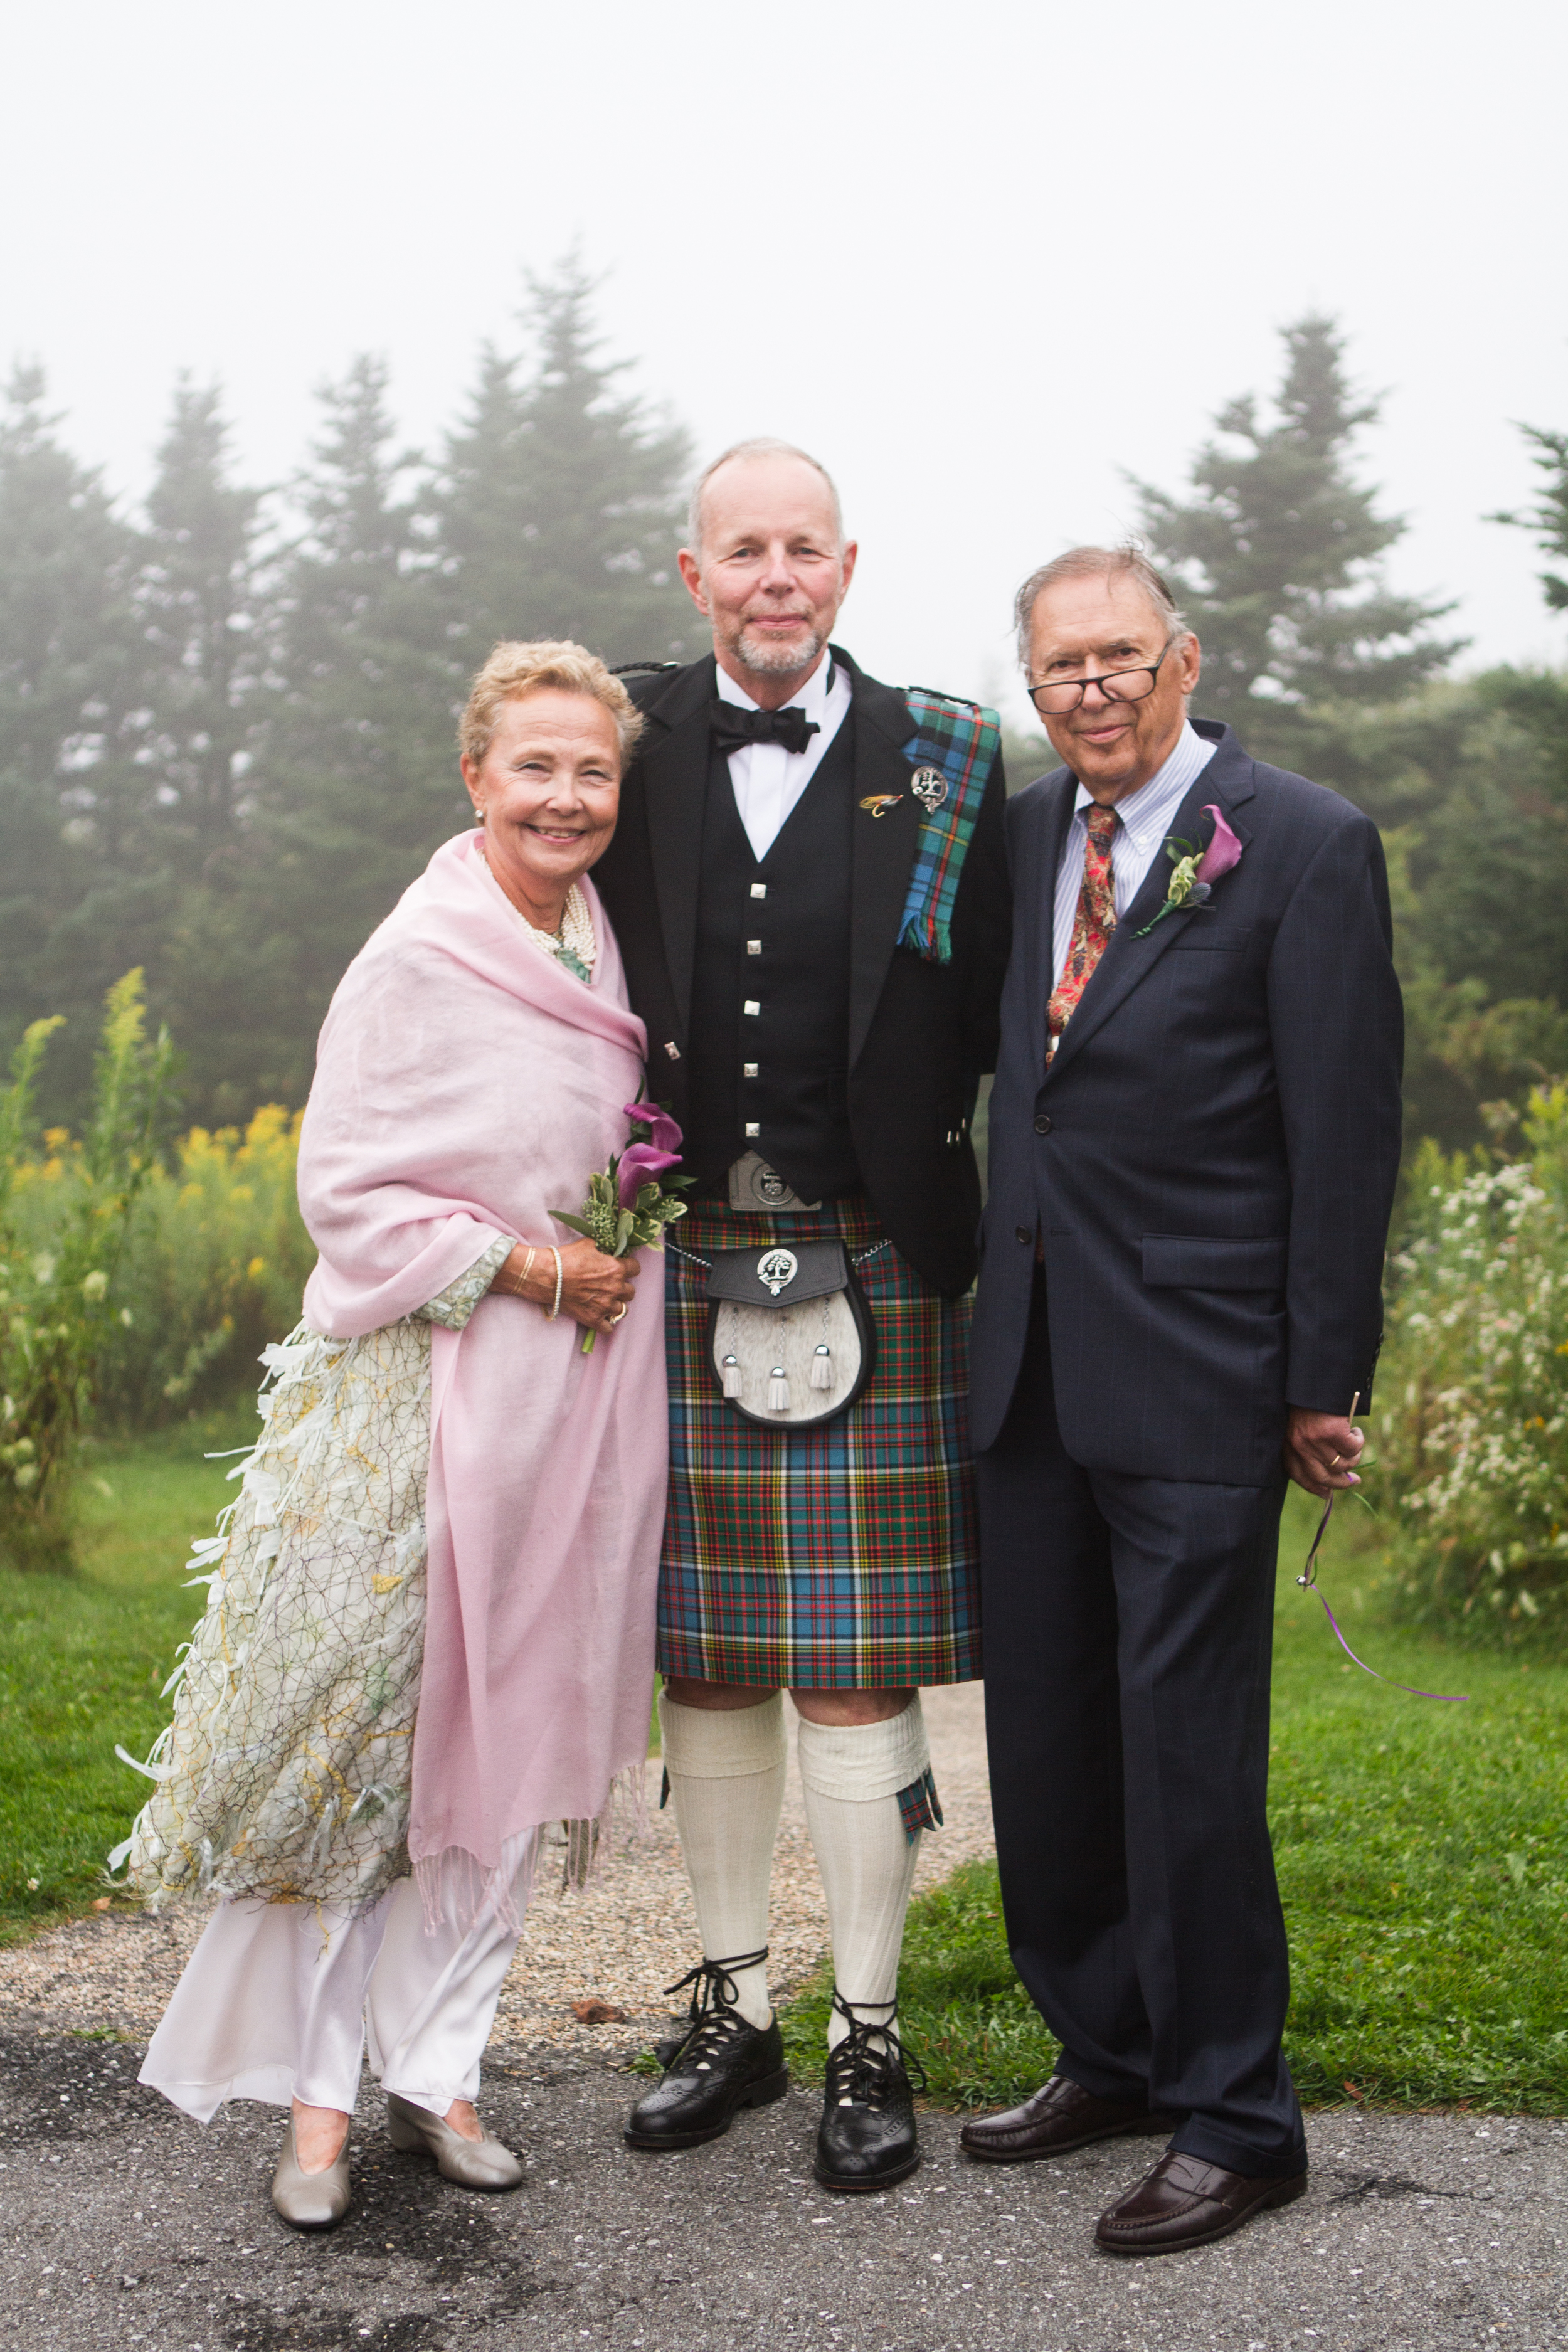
(1196, 870)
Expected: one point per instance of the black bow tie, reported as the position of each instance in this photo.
(734, 728)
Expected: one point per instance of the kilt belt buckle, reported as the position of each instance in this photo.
(754, 1185)
(790, 1339)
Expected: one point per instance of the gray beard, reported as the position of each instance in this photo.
(764, 658)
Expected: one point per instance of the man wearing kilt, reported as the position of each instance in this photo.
(809, 887)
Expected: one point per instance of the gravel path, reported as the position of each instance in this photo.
(619, 1941)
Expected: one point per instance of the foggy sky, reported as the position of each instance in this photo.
(980, 259)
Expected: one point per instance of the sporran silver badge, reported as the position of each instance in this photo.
(777, 1269)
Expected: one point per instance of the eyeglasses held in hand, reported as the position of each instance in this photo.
(1058, 696)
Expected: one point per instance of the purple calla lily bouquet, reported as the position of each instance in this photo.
(630, 1203)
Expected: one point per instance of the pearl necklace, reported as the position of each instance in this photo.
(573, 946)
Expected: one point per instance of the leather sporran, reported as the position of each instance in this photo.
(790, 1336)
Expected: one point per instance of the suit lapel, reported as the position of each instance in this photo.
(882, 847)
(1129, 957)
(675, 780)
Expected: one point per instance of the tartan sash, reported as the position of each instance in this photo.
(961, 740)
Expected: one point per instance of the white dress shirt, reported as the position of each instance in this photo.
(768, 780)
(1143, 822)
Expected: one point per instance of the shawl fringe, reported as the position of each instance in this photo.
(455, 1876)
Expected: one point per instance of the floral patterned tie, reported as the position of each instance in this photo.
(1092, 924)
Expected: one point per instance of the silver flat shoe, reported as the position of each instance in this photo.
(312, 2201)
(474, 2163)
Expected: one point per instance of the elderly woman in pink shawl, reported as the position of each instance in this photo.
(428, 1642)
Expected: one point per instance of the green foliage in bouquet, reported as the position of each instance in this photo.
(615, 1230)
(1471, 1418)
(630, 1203)
(60, 1303)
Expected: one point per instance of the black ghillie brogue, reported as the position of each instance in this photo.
(867, 2138)
(720, 2064)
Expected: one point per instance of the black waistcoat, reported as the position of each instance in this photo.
(774, 933)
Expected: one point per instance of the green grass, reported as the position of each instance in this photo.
(84, 1657)
(1423, 1855)
(1422, 1849)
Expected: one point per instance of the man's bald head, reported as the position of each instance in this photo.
(746, 453)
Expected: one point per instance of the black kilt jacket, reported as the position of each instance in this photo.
(920, 1033)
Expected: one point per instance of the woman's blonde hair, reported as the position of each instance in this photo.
(514, 669)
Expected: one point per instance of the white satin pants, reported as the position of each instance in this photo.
(277, 1998)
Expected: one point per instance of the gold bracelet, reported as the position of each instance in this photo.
(515, 1285)
(555, 1310)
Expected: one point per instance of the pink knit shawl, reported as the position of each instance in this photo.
(465, 1088)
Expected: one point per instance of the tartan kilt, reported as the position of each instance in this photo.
(839, 1557)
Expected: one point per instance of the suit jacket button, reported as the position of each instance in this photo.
(1022, 1234)
(1042, 1125)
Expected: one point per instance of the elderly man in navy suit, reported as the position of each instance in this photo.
(1195, 1135)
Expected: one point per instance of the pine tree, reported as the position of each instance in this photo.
(170, 794)
(1275, 557)
(354, 780)
(559, 508)
(1548, 520)
(1537, 699)
(361, 741)
(200, 598)
(68, 669)
(1483, 880)
(65, 560)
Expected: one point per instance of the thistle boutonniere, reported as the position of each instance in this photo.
(1196, 870)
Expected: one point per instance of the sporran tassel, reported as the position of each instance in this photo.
(778, 1390)
(822, 1367)
(731, 1369)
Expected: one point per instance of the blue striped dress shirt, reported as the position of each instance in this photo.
(1144, 821)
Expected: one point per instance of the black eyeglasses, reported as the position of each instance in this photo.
(1061, 695)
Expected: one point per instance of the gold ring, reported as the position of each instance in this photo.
(622, 1308)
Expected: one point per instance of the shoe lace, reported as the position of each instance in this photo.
(859, 2072)
(713, 2021)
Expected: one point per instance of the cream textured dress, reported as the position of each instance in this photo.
(285, 1772)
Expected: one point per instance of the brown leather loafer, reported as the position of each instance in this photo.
(1186, 2202)
(1060, 2116)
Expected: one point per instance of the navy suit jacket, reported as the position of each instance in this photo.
(1209, 1160)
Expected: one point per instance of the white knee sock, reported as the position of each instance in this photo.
(726, 1769)
(852, 1774)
